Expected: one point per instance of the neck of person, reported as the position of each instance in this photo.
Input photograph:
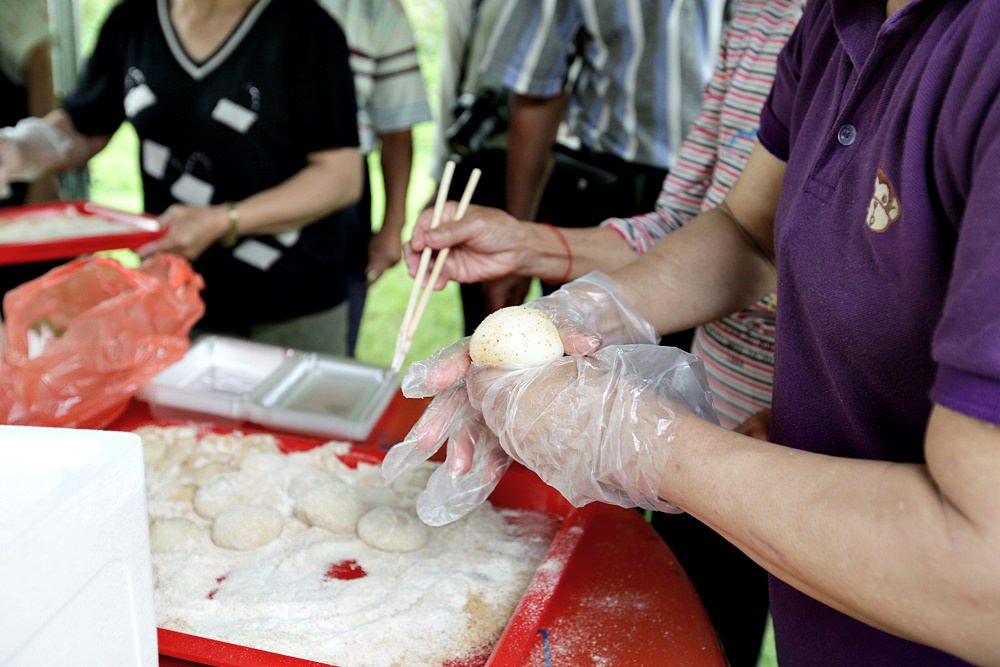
(204, 9)
(893, 6)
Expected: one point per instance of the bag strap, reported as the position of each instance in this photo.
(467, 49)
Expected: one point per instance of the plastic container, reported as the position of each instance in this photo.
(215, 378)
(324, 396)
(276, 387)
(75, 571)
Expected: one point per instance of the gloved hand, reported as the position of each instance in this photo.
(587, 311)
(29, 148)
(474, 462)
(599, 427)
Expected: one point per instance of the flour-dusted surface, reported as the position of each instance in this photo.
(304, 594)
(53, 226)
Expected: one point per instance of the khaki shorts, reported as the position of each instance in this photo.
(324, 332)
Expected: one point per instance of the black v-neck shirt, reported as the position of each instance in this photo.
(241, 121)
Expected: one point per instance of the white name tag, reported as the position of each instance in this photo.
(256, 254)
(137, 99)
(192, 190)
(232, 114)
(289, 238)
(154, 158)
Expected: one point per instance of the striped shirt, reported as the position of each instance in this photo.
(387, 81)
(642, 65)
(738, 350)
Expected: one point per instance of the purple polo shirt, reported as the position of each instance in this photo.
(888, 252)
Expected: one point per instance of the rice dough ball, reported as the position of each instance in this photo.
(247, 527)
(392, 529)
(218, 494)
(515, 337)
(333, 505)
(173, 534)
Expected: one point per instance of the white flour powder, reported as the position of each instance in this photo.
(448, 599)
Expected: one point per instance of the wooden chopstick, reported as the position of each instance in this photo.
(442, 255)
(402, 344)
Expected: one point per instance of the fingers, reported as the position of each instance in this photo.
(445, 368)
(450, 496)
(440, 419)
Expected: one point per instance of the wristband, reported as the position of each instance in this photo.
(569, 256)
(232, 234)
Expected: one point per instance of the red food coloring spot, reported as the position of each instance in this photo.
(218, 580)
(346, 569)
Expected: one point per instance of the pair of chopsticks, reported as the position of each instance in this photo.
(417, 303)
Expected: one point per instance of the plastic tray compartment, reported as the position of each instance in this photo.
(324, 396)
(216, 377)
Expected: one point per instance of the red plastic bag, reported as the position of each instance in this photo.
(83, 338)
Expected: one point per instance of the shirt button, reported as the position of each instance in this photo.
(847, 134)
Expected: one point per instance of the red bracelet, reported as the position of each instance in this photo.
(569, 256)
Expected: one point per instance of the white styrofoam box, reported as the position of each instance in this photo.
(76, 582)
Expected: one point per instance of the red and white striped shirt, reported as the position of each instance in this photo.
(738, 350)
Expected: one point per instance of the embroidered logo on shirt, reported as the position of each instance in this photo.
(884, 208)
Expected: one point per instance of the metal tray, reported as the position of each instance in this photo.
(324, 396)
(215, 378)
(137, 230)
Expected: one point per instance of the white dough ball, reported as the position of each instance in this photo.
(218, 494)
(307, 480)
(333, 505)
(392, 529)
(247, 527)
(173, 534)
(515, 337)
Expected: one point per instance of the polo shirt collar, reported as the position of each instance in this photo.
(859, 22)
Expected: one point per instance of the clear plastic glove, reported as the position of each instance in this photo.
(597, 428)
(591, 312)
(587, 311)
(29, 148)
(474, 461)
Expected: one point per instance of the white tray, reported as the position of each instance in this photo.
(232, 380)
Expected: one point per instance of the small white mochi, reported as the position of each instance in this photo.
(173, 534)
(247, 527)
(392, 529)
(515, 337)
(333, 505)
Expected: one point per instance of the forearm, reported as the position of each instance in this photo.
(705, 270)
(592, 249)
(534, 122)
(331, 181)
(397, 159)
(881, 542)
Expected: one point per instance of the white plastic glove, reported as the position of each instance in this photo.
(587, 311)
(29, 148)
(474, 462)
(599, 427)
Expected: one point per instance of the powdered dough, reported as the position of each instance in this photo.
(392, 529)
(173, 534)
(333, 505)
(247, 527)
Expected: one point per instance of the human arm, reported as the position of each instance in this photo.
(840, 519)
(386, 246)
(330, 181)
(37, 146)
(41, 100)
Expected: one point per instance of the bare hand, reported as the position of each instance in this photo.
(485, 244)
(384, 250)
(757, 425)
(190, 230)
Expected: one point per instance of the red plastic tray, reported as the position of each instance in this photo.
(147, 228)
(609, 591)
